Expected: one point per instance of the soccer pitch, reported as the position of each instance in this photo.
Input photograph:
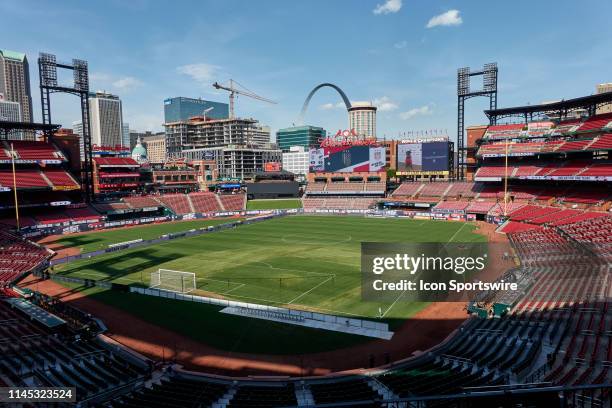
(305, 262)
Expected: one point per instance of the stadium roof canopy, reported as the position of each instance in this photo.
(558, 109)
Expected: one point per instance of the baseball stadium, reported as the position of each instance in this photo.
(228, 280)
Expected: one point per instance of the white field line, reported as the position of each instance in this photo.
(231, 290)
(308, 291)
(393, 304)
(402, 294)
(457, 232)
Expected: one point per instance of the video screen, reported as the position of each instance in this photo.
(346, 159)
(423, 156)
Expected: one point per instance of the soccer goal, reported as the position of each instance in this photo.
(173, 281)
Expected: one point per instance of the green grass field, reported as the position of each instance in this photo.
(101, 239)
(306, 262)
(280, 204)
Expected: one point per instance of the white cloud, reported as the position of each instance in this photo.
(385, 104)
(201, 72)
(99, 76)
(424, 110)
(127, 83)
(331, 106)
(449, 18)
(389, 6)
(401, 44)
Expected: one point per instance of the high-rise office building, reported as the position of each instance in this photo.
(181, 108)
(15, 81)
(304, 136)
(362, 118)
(125, 135)
(106, 119)
(296, 160)
(11, 112)
(602, 88)
(156, 147)
(77, 129)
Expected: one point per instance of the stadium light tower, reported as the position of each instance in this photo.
(47, 70)
(464, 92)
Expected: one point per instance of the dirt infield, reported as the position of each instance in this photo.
(424, 330)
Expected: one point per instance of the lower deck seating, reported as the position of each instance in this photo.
(141, 202)
(205, 202)
(178, 203)
(272, 395)
(343, 391)
(233, 202)
(32, 352)
(174, 393)
(342, 203)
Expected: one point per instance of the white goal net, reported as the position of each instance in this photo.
(173, 281)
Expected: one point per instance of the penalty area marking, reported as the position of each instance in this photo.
(457, 232)
(393, 304)
(236, 288)
(311, 289)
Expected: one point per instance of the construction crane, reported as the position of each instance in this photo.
(206, 111)
(233, 91)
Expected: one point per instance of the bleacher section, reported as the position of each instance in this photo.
(35, 354)
(356, 389)
(178, 203)
(353, 203)
(451, 206)
(61, 179)
(174, 393)
(141, 202)
(18, 257)
(27, 179)
(33, 151)
(269, 395)
(503, 131)
(346, 188)
(233, 202)
(596, 122)
(57, 179)
(116, 162)
(205, 202)
(551, 170)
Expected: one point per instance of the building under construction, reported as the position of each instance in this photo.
(240, 147)
(236, 161)
(199, 132)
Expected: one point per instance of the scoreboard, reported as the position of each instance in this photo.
(424, 158)
(347, 159)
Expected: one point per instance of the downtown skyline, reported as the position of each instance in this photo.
(400, 55)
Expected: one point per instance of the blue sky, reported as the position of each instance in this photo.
(401, 54)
